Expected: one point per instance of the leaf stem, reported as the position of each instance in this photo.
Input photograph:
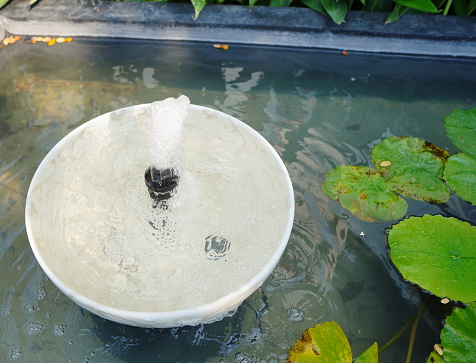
(414, 329)
(397, 335)
(447, 8)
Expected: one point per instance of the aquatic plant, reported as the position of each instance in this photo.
(437, 253)
(328, 343)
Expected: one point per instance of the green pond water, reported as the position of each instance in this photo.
(318, 109)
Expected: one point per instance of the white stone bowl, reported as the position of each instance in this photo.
(99, 251)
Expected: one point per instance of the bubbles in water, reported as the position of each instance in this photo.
(59, 329)
(295, 314)
(41, 294)
(387, 230)
(33, 328)
(165, 132)
(16, 353)
(216, 247)
(29, 308)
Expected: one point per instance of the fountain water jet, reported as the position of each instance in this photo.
(96, 235)
(165, 146)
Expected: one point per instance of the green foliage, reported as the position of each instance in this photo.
(369, 356)
(327, 343)
(438, 254)
(434, 357)
(337, 9)
(458, 336)
(421, 5)
(460, 174)
(460, 127)
(198, 5)
(415, 168)
(363, 192)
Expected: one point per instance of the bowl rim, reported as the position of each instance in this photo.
(190, 316)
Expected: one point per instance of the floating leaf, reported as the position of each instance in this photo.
(437, 253)
(324, 343)
(460, 126)
(460, 174)
(369, 356)
(434, 357)
(415, 170)
(459, 335)
(364, 193)
(3, 2)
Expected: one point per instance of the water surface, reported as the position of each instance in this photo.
(318, 109)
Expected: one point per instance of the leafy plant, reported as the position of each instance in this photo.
(458, 336)
(327, 343)
(435, 252)
(337, 9)
(460, 174)
(412, 167)
(438, 254)
(364, 192)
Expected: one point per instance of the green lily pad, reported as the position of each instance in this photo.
(460, 174)
(325, 343)
(369, 356)
(434, 357)
(460, 127)
(363, 192)
(412, 167)
(458, 336)
(437, 253)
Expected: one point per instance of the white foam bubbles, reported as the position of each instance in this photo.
(165, 134)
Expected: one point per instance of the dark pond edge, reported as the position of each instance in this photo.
(430, 35)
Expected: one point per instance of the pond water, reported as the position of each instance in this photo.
(318, 109)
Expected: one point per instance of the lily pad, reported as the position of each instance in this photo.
(325, 343)
(460, 126)
(363, 192)
(437, 253)
(460, 174)
(434, 357)
(458, 336)
(369, 356)
(412, 167)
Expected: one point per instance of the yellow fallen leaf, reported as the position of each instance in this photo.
(385, 163)
(67, 40)
(46, 39)
(60, 40)
(52, 41)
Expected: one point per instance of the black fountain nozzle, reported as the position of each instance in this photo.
(161, 183)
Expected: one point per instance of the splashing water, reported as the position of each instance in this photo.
(165, 136)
